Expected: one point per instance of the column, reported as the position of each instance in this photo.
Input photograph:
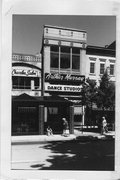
(59, 58)
(71, 119)
(83, 115)
(83, 62)
(41, 119)
(32, 85)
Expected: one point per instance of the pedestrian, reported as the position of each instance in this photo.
(65, 127)
(104, 128)
(49, 131)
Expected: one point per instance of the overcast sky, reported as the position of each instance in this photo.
(28, 29)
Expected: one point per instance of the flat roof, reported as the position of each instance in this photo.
(66, 28)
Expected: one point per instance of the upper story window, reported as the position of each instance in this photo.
(54, 63)
(65, 58)
(75, 58)
(112, 69)
(92, 67)
(102, 68)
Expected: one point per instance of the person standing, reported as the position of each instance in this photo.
(65, 127)
(49, 131)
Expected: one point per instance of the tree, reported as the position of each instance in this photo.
(105, 98)
(89, 92)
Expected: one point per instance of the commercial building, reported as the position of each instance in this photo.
(98, 59)
(63, 64)
(26, 86)
(47, 87)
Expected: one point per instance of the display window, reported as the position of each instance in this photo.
(19, 82)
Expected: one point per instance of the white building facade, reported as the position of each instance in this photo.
(99, 59)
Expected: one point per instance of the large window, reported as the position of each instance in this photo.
(65, 58)
(75, 58)
(92, 67)
(19, 82)
(102, 68)
(54, 57)
(111, 69)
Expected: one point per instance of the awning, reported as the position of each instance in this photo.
(41, 100)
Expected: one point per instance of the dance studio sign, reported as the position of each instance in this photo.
(62, 88)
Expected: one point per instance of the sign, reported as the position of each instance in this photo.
(25, 72)
(62, 88)
(52, 77)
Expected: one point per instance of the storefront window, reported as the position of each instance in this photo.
(75, 58)
(19, 82)
(25, 120)
(36, 80)
(54, 57)
(65, 58)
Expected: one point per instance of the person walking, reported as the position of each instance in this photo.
(65, 127)
(104, 128)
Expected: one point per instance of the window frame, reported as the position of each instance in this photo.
(112, 64)
(62, 69)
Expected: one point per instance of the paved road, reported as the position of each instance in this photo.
(70, 155)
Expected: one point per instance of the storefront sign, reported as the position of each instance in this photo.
(52, 77)
(24, 72)
(62, 88)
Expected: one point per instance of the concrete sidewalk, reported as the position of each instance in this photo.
(40, 138)
(44, 138)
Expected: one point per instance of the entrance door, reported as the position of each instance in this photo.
(54, 118)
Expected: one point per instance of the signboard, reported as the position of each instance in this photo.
(56, 77)
(62, 88)
(25, 72)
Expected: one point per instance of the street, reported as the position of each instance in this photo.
(65, 155)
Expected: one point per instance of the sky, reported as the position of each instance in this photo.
(27, 30)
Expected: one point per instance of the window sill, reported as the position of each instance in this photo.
(26, 90)
(92, 74)
(112, 75)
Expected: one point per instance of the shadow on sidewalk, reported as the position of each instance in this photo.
(77, 155)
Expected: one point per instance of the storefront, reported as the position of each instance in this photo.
(26, 87)
(63, 63)
(32, 115)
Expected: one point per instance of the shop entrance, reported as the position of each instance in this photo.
(54, 118)
(25, 116)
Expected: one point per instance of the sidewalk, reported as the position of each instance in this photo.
(44, 138)
(94, 135)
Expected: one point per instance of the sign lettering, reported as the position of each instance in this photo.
(52, 77)
(21, 72)
(62, 88)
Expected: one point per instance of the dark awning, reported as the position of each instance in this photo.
(42, 100)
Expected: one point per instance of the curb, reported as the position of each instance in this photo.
(40, 139)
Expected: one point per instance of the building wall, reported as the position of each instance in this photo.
(62, 79)
(27, 69)
(97, 60)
